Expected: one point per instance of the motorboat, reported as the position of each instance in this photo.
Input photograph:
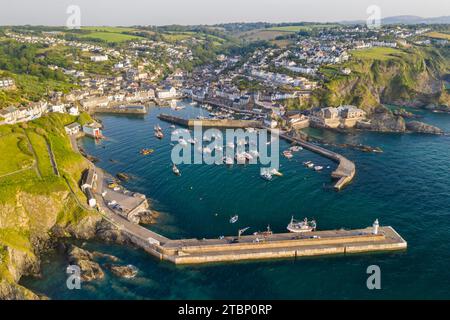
(266, 176)
(159, 134)
(229, 161)
(318, 168)
(275, 172)
(301, 226)
(295, 148)
(234, 219)
(176, 170)
(288, 154)
(157, 128)
(240, 158)
(146, 152)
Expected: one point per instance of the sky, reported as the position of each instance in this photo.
(188, 12)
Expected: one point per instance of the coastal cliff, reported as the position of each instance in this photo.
(38, 204)
(407, 77)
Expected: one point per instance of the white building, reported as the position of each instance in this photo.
(99, 58)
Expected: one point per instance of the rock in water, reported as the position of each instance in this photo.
(384, 121)
(90, 270)
(128, 271)
(420, 127)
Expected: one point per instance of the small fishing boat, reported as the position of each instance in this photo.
(295, 148)
(228, 160)
(308, 164)
(146, 152)
(176, 170)
(157, 128)
(182, 142)
(318, 168)
(275, 172)
(266, 176)
(234, 219)
(288, 154)
(301, 226)
(240, 158)
(159, 134)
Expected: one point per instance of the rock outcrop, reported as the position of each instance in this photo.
(383, 120)
(90, 270)
(128, 271)
(420, 127)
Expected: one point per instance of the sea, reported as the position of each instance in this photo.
(406, 187)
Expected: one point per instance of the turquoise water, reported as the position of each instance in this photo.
(407, 186)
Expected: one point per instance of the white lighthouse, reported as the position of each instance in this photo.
(375, 226)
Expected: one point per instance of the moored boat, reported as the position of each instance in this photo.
(234, 219)
(302, 226)
(175, 170)
(146, 152)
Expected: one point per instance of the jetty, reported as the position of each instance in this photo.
(257, 246)
(344, 173)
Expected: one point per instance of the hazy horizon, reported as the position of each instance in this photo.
(195, 12)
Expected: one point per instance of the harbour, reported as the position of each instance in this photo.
(199, 205)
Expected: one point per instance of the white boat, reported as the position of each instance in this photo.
(295, 148)
(228, 160)
(318, 168)
(309, 164)
(182, 142)
(207, 150)
(176, 170)
(234, 219)
(157, 128)
(275, 172)
(248, 156)
(288, 154)
(266, 176)
(240, 158)
(159, 134)
(301, 226)
(172, 126)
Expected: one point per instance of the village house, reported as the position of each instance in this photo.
(93, 102)
(7, 83)
(342, 117)
(73, 128)
(298, 121)
(167, 93)
(99, 58)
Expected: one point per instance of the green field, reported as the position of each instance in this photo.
(110, 29)
(382, 54)
(302, 28)
(13, 158)
(110, 37)
(438, 35)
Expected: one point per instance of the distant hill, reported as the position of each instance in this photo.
(407, 19)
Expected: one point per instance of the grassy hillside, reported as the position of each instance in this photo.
(386, 75)
(33, 199)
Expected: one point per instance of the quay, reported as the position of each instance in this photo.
(344, 173)
(122, 109)
(219, 123)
